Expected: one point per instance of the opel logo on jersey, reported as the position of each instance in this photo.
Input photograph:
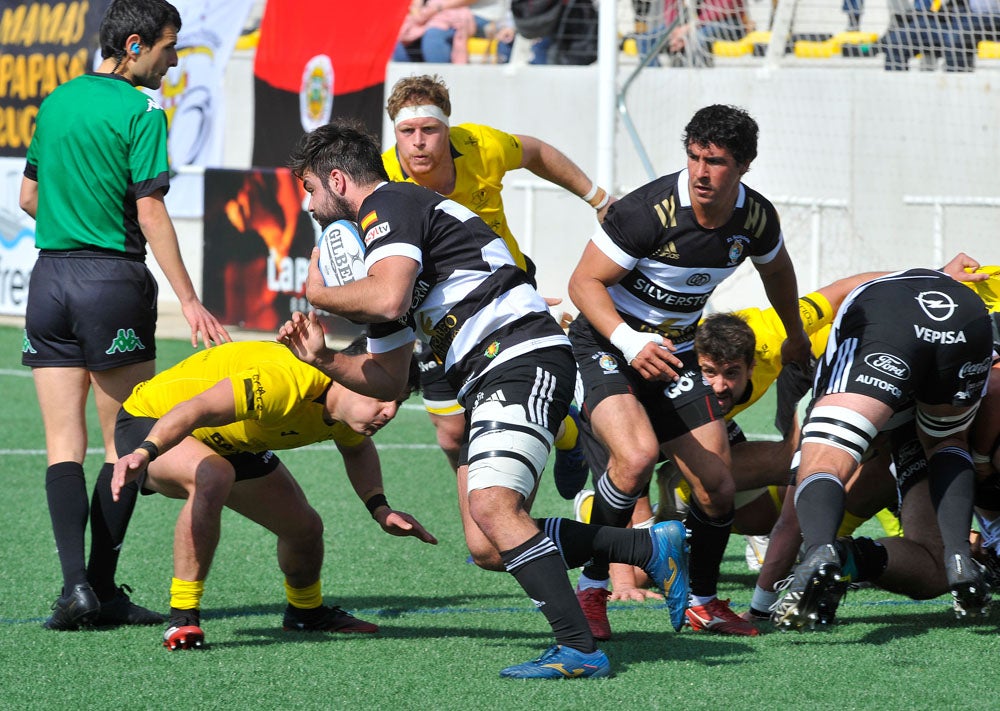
(937, 305)
(699, 279)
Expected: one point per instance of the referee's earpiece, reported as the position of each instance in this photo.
(135, 48)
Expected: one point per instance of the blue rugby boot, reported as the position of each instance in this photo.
(560, 662)
(668, 568)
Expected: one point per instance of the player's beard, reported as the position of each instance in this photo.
(340, 209)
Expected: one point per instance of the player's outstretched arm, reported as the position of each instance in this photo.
(159, 232)
(365, 473)
(549, 163)
(649, 353)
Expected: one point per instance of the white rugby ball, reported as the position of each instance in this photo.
(341, 254)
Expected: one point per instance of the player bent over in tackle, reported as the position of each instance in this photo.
(204, 431)
(918, 339)
(436, 271)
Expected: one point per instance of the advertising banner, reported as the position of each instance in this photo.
(257, 245)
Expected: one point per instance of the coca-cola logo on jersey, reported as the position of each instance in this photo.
(968, 369)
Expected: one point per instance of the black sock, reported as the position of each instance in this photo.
(108, 523)
(709, 537)
(988, 492)
(578, 542)
(871, 559)
(819, 505)
(539, 570)
(612, 507)
(66, 491)
(952, 485)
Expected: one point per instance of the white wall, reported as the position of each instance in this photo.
(846, 132)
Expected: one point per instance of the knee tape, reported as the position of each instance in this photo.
(505, 449)
(839, 427)
(944, 425)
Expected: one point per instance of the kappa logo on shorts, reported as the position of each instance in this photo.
(125, 342)
(937, 305)
(26, 346)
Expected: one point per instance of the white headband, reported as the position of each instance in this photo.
(423, 111)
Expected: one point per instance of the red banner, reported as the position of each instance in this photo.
(317, 61)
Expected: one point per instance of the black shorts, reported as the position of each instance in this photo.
(130, 431)
(89, 310)
(440, 396)
(541, 382)
(908, 456)
(918, 335)
(673, 408)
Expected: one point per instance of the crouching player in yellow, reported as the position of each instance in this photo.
(204, 431)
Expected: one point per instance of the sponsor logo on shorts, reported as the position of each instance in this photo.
(879, 384)
(125, 342)
(379, 230)
(607, 362)
(683, 384)
(937, 305)
(942, 337)
(911, 460)
(26, 346)
(888, 364)
(968, 368)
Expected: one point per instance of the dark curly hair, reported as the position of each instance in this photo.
(343, 144)
(728, 127)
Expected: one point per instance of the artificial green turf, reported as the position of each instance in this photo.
(447, 627)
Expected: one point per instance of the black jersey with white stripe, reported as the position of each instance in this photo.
(471, 303)
(675, 264)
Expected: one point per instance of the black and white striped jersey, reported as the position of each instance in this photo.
(676, 263)
(471, 303)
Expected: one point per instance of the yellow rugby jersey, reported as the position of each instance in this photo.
(278, 398)
(817, 317)
(482, 155)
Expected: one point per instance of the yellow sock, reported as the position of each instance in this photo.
(186, 594)
(569, 435)
(890, 524)
(849, 525)
(308, 598)
(776, 497)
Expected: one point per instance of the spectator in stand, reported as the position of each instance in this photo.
(691, 41)
(853, 10)
(949, 29)
(438, 31)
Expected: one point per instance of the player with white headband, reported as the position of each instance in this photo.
(467, 163)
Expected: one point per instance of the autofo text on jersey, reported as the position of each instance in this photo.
(667, 297)
(932, 336)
